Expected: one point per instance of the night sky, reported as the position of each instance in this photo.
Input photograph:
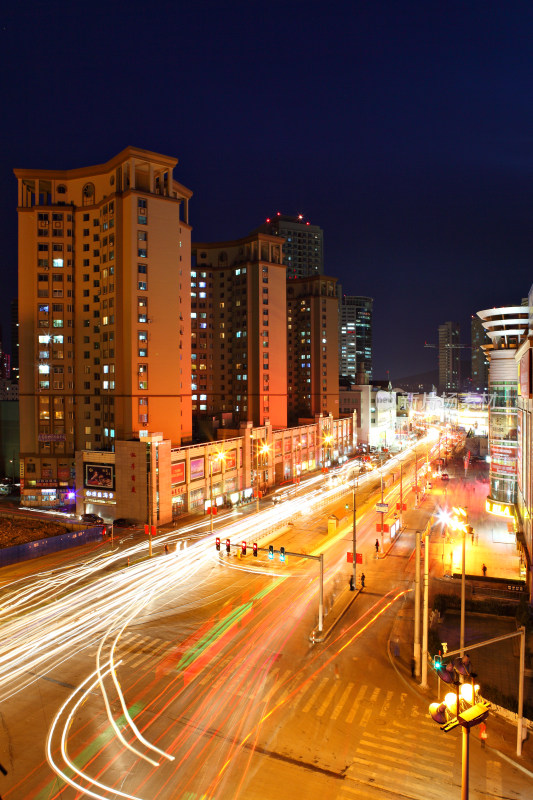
(403, 129)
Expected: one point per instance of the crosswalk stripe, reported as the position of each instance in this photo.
(364, 719)
(438, 756)
(313, 697)
(355, 705)
(280, 684)
(338, 708)
(327, 700)
(384, 757)
(274, 674)
(386, 705)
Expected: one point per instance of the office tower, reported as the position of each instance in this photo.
(312, 348)
(104, 311)
(480, 362)
(303, 246)
(355, 335)
(449, 357)
(239, 332)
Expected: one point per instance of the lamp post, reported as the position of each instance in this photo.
(328, 438)
(259, 451)
(221, 456)
(354, 531)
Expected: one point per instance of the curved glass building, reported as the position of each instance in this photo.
(505, 328)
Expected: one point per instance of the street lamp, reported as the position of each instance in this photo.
(463, 707)
(354, 532)
(259, 451)
(220, 456)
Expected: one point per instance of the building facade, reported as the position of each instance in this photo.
(355, 335)
(239, 332)
(449, 357)
(312, 348)
(303, 244)
(103, 310)
(480, 363)
(505, 327)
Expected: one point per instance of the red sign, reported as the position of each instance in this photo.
(525, 383)
(401, 507)
(177, 473)
(358, 558)
(231, 459)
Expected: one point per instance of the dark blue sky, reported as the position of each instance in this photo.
(404, 129)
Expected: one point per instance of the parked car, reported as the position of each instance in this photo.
(445, 476)
(93, 519)
(122, 522)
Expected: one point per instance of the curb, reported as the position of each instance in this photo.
(319, 637)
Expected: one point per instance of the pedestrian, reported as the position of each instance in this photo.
(352, 585)
(413, 667)
(484, 570)
(396, 648)
(377, 545)
(166, 548)
(362, 580)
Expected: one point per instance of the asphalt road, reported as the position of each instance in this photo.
(192, 675)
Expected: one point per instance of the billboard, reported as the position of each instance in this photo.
(177, 473)
(197, 468)
(101, 476)
(524, 383)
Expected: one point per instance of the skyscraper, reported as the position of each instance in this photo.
(312, 348)
(480, 362)
(449, 357)
(303, 248)
(355, 335)
(239, 331)
(104, 311)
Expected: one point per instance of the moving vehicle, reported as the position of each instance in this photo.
(92, 518)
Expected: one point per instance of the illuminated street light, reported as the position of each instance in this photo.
(265, 448)
(220, 456)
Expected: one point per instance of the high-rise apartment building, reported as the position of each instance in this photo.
(239, 331)
(303, 246)
(312, 348)
(104, 311)
(449, 357)
(480, 362)
(355, 335)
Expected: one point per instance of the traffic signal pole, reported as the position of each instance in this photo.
(424, 678)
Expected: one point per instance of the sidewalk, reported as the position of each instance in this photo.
(339, 608)
(502, 734)
(495, 547)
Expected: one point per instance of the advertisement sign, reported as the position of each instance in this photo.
(500, 509)
(177, 473)
(63, 473)
(231, 459)
(197, 468)
(287, 445)
(525, 373)
(277, 447)
(101, 476)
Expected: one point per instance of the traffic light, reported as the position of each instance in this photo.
(243, 548)
(271, 551)
(282, 554)
(217, 543)
(470, 530)
(228, 546)
(444, 671)
(255, 549)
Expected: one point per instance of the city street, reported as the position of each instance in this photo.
(192, 675)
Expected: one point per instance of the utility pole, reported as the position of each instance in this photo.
(416, 647)
(425, 623)
(354, 531)
(401, 495)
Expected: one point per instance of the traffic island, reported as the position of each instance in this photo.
(339, 608)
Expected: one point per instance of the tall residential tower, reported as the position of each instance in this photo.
(104, 311)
